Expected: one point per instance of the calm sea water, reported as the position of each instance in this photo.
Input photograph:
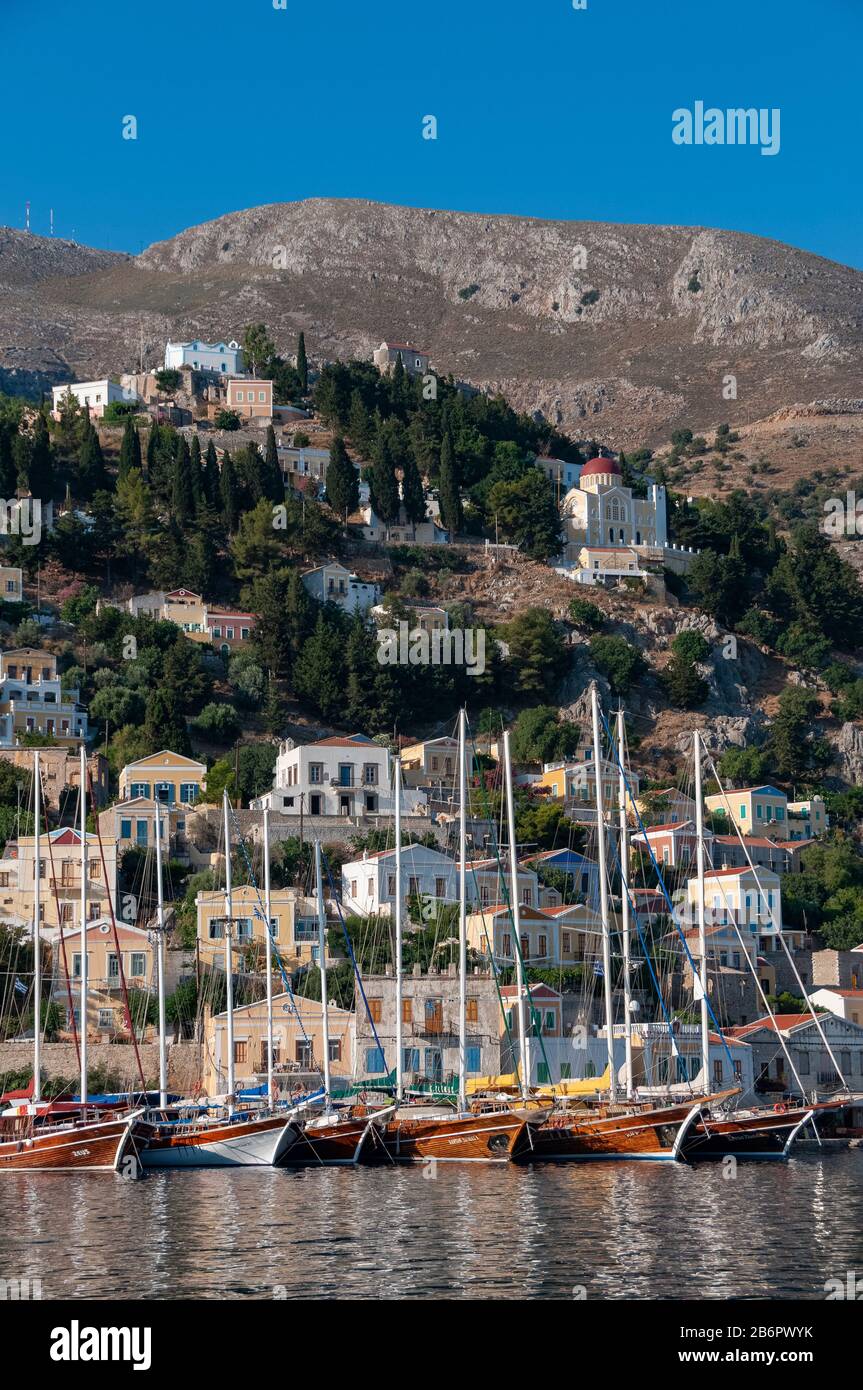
(620, 1231)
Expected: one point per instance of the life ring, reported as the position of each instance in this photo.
(779, 1108)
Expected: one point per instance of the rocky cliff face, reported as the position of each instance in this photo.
(617, 330)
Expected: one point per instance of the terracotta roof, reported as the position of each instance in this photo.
(597, 466)
(781, 1023)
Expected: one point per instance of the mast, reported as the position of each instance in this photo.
(397, 790)
(160, 963)
(523, 1039)
(322, 965)
(603, 893)
(624, 876)
(702, 928)
(229, 964)
(37, 937)
(83, 1004)
(462, 911)
(268, 909)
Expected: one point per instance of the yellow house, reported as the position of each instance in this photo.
(250, 397)
(298, 1041)
(752, 809)
(294, 923)
(105, 1007)
(11, 583)
(60, 877)
(434, 760)
(167, 777)
(552, 936)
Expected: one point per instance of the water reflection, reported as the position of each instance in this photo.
(620, 1231)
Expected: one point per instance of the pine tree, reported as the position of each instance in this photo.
(229, 493)
(343, 488)
(130, 449)
(413, 495)
(383, 488)
(319, 672)
(302, 364)
(448, 490)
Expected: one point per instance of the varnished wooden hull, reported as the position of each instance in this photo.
(341, 1143)
(97, 1146)
(642, 1134)
(488, 1137)
(743, 1136)
(247, 1143)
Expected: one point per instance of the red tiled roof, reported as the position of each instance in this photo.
(597, 466)
(778, 1023)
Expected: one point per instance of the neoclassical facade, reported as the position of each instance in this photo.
(601, 512)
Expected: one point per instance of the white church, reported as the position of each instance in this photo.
(609, 534)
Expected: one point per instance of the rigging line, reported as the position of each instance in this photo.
(335, 899)
(260, 912)
(70, 1001)
(123, 986)
(664, 890)
(533, 1012)
(781, 938)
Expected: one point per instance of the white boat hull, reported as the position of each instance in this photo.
(255, 1148)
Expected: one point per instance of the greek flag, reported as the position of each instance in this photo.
(20, 987)
(597, 968)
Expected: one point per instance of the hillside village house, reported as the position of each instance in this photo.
(11, 583)
(401, 531)
(563, 476)
(61, 772)
(95, 395)
(132, 824)
(583, 873)
(414, 360)
(666, 806)
(60, 878)
(224, 358)
(168, 777)
(783, 856)
(810, 1057)
(845, 1003)
(430, 761)
(369, 883)
(576, 781)
(226, 628)
(302, 466)
(32, 699)
(294, 926)
(332, 583)
(751, 901)
(673, 845)
(807, 819)
(298, 1041)
(425, 617)
(551, 936)
(767, 811)
(105, 1006)
(250, 398)
(429, 1009)
(338, 776)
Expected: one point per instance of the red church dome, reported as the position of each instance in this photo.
(598, 466)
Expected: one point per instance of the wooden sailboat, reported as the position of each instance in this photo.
(181, 1137)
(339, 1136)
(37, 1135)
(486, 1132)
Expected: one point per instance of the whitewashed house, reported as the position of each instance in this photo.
(337, 776)
(96, 396)
(332, 583)
(225, 358)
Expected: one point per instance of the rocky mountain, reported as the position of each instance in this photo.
(619, 331)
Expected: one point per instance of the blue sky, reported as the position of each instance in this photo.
(542, 110)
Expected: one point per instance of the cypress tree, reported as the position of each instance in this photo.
(413, 495)
(152, 452)
(229, 493)
(130, 449)
(164, 725)
(211, 476)
(91, 465)
(448, 490)
(182, 496)
(302, 364)
(383, 488)
(8, 480)
(195, 480)
(272, 481)
(360, 428)
(40, 476)
(343, 489)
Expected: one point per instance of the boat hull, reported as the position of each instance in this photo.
(767, 1136)
(341, 1143)
(97, 1146)
(481, 1138)
(252, 1143)
(650, 1135)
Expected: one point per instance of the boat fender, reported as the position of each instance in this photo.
(779, 1108)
